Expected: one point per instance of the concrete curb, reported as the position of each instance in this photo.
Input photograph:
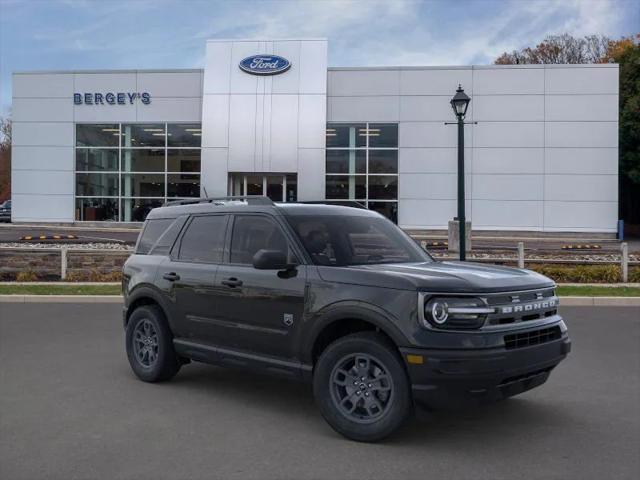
(61, 299)
(599, 301)
(55, 284)
(564, 301)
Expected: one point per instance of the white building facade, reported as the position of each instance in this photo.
(111, 145)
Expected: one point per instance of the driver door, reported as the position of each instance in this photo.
(258, 310)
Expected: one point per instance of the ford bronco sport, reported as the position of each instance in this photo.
(339, 297)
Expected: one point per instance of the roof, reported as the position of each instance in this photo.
(237, 205)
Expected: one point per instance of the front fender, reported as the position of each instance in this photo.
(349, 309)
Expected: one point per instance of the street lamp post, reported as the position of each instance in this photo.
(460, 103)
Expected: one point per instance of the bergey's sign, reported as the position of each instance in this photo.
(110, 98)
(265, 64)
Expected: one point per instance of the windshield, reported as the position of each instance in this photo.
(355, 240)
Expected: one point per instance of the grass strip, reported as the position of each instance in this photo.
(594, 291)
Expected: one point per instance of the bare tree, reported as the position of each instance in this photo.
(5, 158)
(560, 49)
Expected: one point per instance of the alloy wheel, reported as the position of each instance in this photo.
(361, 388)
(145, 343)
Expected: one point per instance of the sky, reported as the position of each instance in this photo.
(115, 34)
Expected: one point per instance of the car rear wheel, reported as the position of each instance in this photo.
(362, 388)
(149, 344)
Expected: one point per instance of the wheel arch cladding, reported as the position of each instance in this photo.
(344, 322)
(143, 298)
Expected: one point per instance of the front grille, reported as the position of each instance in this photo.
(535, 337)
(521, 306)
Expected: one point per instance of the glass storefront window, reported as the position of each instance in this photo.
(97, 159)
(143, 160)
(383, 135)
(292, 188)
(383, 161)
(183, 185)
(96, 184)
(183, 160)
(254, 185)
(144, 135)
(346, 161)
(137, 209)
(101, 135)
(184, 135)
(383, 187)
(340, 135)
(139, 165)
(275, 188)
(368, 153)
(388, 209)
(346, 187)
(143, 185)
(96, 209)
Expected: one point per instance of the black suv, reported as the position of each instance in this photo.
(339, 297)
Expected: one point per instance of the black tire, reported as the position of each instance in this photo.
(152, 357)
(388, 402)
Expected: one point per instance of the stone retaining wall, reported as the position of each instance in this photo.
(38, 264)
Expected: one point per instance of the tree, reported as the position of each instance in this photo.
(5, 158)
(560, 49)
(626, 53)
(600, 49)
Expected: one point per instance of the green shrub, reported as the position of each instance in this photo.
(97, 276)
(26, 276)
(634, 274)
(579, 273)
(94, 276)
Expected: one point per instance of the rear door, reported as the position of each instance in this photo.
(258, 310)
(188, 275)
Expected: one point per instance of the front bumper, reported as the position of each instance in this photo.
(455, 378)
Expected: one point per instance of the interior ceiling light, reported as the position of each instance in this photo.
(110, 129)
(153, 129)
(192, 129)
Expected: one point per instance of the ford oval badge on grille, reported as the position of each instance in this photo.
(265, 64)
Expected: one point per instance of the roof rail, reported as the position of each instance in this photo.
(250, 199)
(343, 203)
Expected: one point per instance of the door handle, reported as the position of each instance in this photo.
(171, 276)
(232, 282)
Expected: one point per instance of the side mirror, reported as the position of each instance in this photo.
(270, 260)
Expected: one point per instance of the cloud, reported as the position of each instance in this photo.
(67, 34)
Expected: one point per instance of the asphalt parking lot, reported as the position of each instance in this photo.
(71, 408)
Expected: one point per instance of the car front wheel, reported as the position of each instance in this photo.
(361, 387)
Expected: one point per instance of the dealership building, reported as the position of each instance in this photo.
(272, 118)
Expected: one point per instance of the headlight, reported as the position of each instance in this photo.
(455, 312)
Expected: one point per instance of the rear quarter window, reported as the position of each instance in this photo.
(155, 230)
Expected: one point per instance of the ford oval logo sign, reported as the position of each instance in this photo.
(265, 64)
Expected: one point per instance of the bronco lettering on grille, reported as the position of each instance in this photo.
(528, 307)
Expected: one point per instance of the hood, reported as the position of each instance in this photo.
(438, 277)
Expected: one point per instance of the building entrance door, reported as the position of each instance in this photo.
(279, 187)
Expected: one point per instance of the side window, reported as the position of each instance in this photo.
(168, 238)
(252, 233)
(203, 241)
(153, 229)
(317, 240)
